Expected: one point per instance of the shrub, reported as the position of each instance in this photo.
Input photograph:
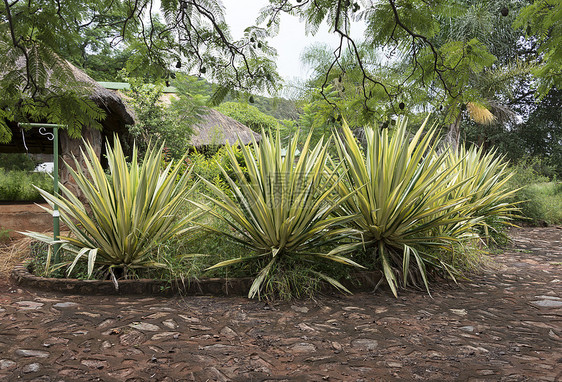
(281, 210)
(19, 185)
(538, 198)
(411, 203)
(484, 182)
(127, 214)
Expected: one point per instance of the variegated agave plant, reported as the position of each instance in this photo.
(281, 207)
(126, 214)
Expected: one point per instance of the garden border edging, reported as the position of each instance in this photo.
(21, 275)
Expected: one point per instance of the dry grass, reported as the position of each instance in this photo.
(13, 253)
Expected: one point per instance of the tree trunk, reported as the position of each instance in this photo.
(454, 133)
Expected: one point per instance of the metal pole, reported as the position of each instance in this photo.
(56, 213)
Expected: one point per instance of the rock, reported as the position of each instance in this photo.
(549, 298)
(459, 312)
(352, 308)
(32, 353)
(65, 305)
(6, 364)
(31, 368)
(106, 345)
(54, 341)
(364, 344)
(29, 305)
(336, 346)
(132, 338)
(218, 347)
(228, 333)
(170, 324)
(547, 303)
(199, 327)
(144, 326)
(94, 363)
(299, 309)
(156, 316)
(468, 328)
(191, 320)
(165, 335)
(93, 315)
(305, 328)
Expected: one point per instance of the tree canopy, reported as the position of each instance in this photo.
(439, 47)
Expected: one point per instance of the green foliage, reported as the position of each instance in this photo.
(4, 235)
(211, 167)
(249, 115)
(38, 85)
(20, 161)
(280, 208)
(37, 37)
(542, 203)
(155, 121)
(410, 204)
(127, 213)
(20, 185)
(538, 197)
(542, 20)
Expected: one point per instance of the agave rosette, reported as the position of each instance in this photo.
(280, 205)
(402, 201)
(126, 214)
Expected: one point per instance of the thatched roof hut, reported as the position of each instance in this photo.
(117, 117)
(118, 114)
(216, 128)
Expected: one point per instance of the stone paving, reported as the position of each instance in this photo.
(503, 325)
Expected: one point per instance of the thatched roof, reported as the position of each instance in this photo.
(106, 99)
(103, 97)
(118, 113)
(217, 129)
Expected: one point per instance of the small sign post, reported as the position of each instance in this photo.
(55, 138)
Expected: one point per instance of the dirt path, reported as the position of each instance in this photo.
(505, 325)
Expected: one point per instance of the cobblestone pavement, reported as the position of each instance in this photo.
(503, 325)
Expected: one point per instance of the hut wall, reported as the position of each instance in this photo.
(74, 147)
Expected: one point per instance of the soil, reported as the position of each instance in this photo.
(502, 325)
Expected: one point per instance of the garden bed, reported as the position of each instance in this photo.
(22, 276)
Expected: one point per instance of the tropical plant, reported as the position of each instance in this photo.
(126, 214)
(404, 202)
(483, 179)
(280, 207)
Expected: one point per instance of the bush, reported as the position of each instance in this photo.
(538, 198)
(127, 214)
(280, 208)
(249, 116)
(411, 203)
(541, 203)
(19, 185)
(17, 162)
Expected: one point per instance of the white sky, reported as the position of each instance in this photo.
(291, 41)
